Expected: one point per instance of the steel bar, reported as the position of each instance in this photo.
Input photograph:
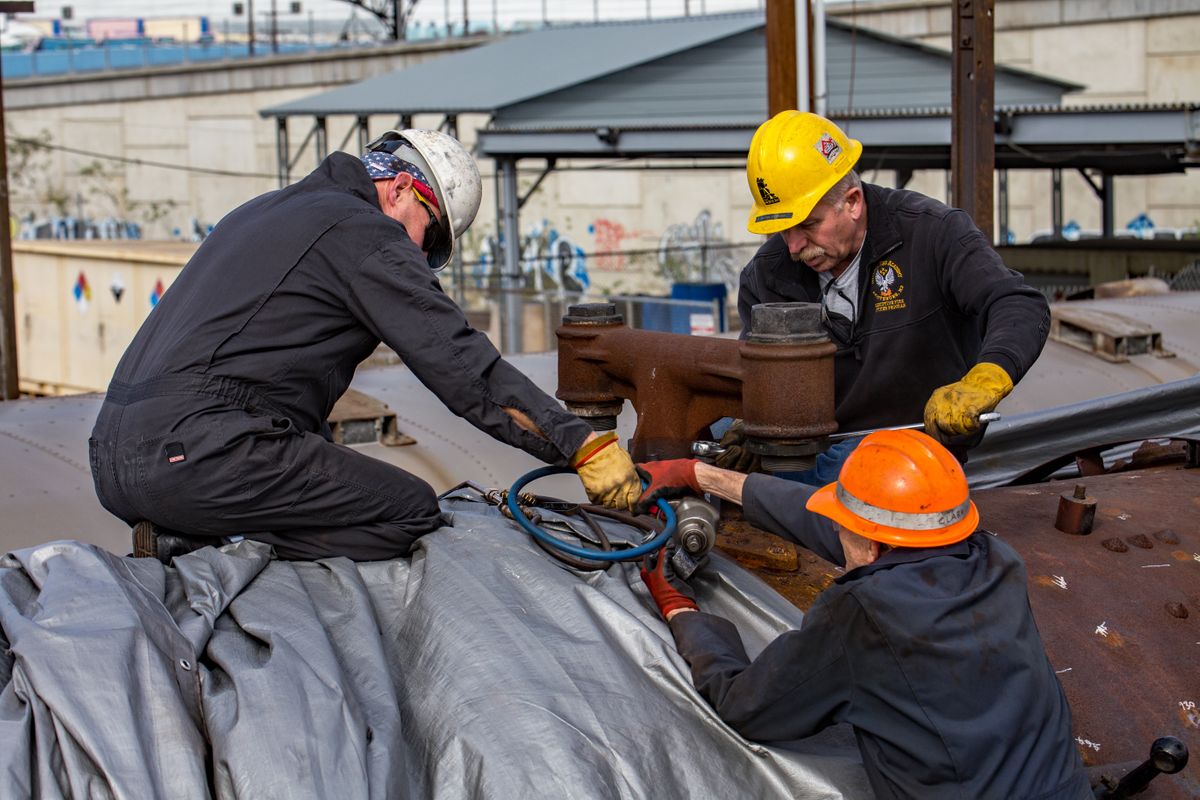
(973, 143)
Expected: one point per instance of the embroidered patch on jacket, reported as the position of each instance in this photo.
(174, 451)
(887, 286)
(828, 148)
(768, 197)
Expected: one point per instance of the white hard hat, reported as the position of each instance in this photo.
(452, 175)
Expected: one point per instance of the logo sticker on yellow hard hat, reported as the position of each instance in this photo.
(829, 148)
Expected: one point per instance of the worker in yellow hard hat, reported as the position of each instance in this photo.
(929, 323)
(925, 644)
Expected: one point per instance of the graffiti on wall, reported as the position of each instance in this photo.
(78, 228)
(698, 251)
(550, 262)
(609, 238)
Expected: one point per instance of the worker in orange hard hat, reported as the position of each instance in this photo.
(928, 321)
(925, 644)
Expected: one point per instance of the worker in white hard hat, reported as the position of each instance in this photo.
(214, 426)
(929, 323)
(925, 644)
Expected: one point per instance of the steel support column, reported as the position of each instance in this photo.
(321, 143)
(973, 143)
(364, 134)
(510, 276)
(281, 150)
(781, 55)
(1107, 203)
(1002, 190)
(1056, 203)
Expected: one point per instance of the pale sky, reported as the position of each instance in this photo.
(507, 11)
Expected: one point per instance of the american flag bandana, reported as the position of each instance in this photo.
(382, 165)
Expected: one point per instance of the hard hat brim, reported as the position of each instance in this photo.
(825, 502)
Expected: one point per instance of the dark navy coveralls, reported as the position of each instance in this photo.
(932, 655)
(934, 299)
(215, 421)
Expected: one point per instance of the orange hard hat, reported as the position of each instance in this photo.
(901, 488)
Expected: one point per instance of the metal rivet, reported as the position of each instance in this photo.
(183, 662)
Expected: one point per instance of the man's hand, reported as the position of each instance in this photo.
(954, 410)
(607, 472)
(736, 457)
(671, 595)
(666, 480)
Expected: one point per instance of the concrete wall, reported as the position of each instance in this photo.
(186, 140)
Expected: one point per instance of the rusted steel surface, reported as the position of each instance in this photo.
(794, 572)
(681, 384)
(1118, 609)
(973, 143)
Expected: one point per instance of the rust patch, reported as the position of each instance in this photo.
(1141, 540)
(1180, 555)
(1116, 545)
(1177, 610)
(1046, 580)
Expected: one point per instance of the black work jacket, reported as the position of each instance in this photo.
(934, 299)
(932, 655)
(293, 289)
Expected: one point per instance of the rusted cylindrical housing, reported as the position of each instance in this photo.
(1076, 512)
(787, 374)
(584, 386)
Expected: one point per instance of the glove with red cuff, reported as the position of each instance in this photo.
(671, 595)
(666, 480)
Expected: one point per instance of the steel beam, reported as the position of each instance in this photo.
(510, 276)
(973, 144)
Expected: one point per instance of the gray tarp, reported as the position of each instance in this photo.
(477, 668)
(1017, 445)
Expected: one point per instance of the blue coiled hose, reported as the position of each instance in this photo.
(583, 552)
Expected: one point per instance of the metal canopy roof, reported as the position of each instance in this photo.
(689, 70)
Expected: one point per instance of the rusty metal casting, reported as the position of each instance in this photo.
(781, 384)
(1076, 512)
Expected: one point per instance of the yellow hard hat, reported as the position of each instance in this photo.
(900, 488)
(794, 159)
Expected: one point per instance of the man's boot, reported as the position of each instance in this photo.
(151, 541)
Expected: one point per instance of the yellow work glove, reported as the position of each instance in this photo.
(607, 472)
(736, 457)
(954, 409)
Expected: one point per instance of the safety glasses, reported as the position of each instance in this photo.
(435, 235)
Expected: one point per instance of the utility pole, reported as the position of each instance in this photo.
(9, 380)
(781, 56)
(972, 97)
(250, 24)
(274, 30)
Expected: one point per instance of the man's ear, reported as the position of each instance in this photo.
(876, 551)
(854, 202)
(401, 183)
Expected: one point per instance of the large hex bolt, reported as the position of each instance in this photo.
(1076, 512)
(787, 397)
